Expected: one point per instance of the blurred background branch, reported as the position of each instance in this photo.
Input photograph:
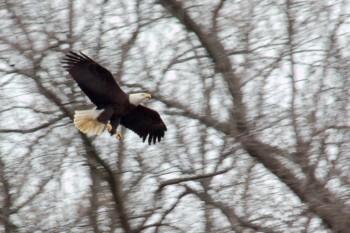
(254, 93)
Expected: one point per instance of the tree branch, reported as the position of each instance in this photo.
(31, 130)
(192, 178)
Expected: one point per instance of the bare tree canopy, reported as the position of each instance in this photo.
(254, 95)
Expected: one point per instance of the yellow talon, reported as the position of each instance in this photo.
(109, 127)
(119, 135)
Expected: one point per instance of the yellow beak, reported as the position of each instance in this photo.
(148, 96)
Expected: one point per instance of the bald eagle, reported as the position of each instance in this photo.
(113, 105)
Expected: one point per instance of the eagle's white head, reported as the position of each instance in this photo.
(137, 98)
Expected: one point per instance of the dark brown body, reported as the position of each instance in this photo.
(114, 113)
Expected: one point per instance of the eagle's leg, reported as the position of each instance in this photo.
(105, 115)
(117, 133)
(112, 127)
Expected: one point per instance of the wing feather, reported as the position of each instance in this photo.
(93, 79)
(145, 122)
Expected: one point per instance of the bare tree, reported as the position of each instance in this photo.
(254, 94)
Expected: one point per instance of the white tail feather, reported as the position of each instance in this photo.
(85, 121)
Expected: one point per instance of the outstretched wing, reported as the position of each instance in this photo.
(94, 80)
(145, 122)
